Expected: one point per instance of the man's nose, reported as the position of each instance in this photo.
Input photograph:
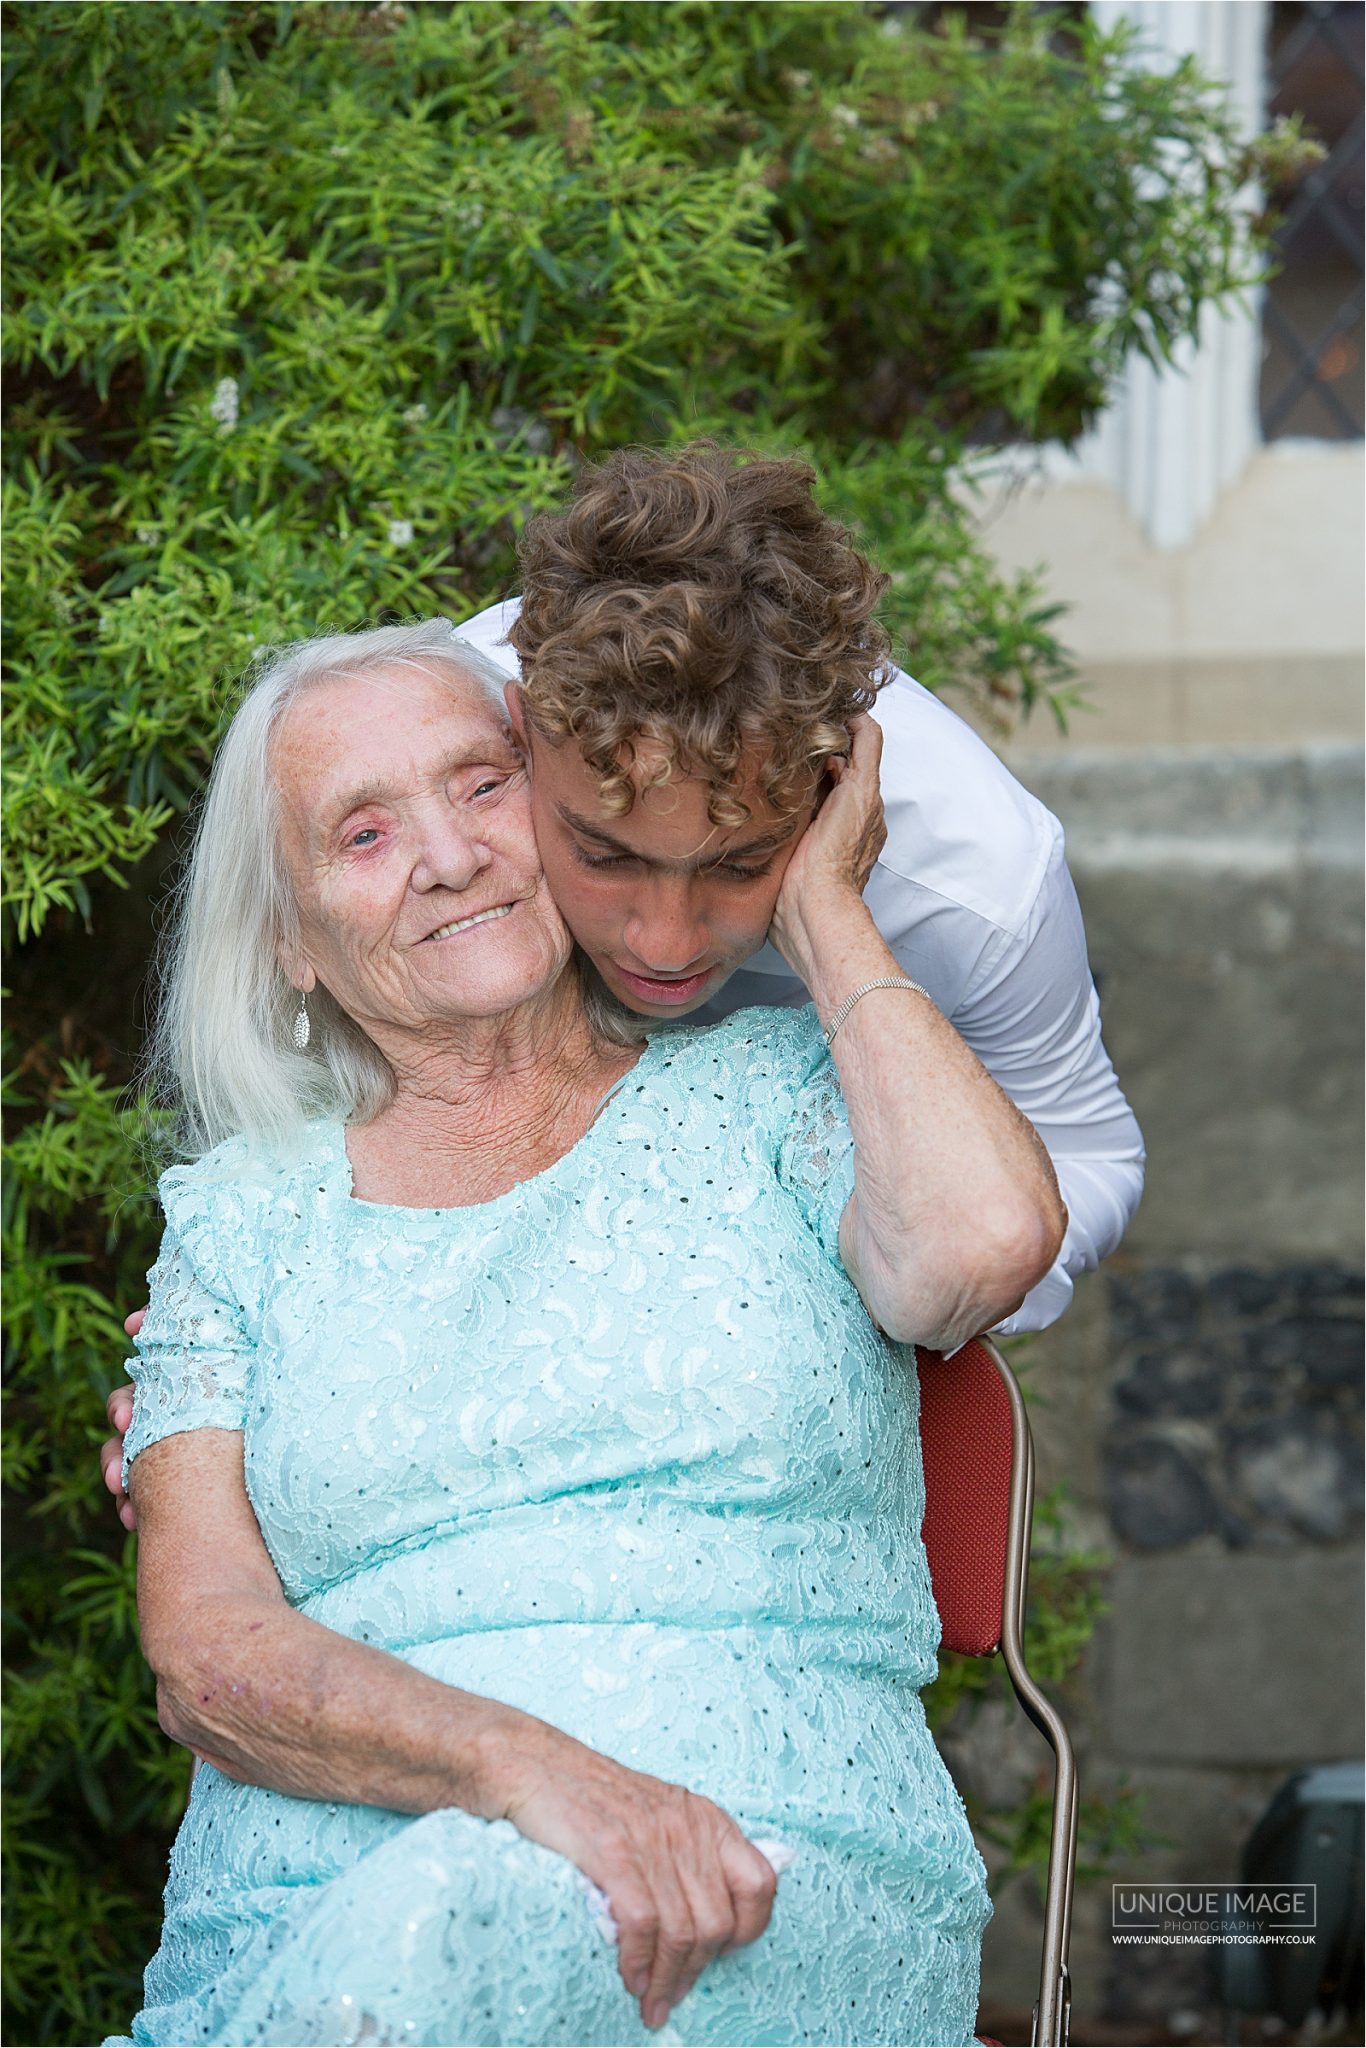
(665, 931)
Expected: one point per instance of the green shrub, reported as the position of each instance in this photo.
(310, 307)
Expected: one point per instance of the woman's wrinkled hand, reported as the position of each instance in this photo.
(684, 1884)
(836, 854)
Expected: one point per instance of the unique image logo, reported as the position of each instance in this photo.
(1213, 1914)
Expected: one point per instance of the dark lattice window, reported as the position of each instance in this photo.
(1311, 381)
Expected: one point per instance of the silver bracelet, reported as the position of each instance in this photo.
(883, 981)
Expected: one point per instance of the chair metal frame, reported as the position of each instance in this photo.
(1052, 2010)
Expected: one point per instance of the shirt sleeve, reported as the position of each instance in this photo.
(815, 1148)
(1032, 1016)
(194, 1358)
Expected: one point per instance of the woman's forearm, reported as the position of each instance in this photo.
(956, 1212)
(272, 1698)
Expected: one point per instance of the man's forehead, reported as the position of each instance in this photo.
(648, 828)
(644, 757)
(668, 823)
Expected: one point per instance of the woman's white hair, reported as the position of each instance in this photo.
(221, 1053)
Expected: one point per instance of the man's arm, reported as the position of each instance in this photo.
(1033, 1018)
(119, 1409)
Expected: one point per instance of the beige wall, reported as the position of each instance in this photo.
(1251, 635)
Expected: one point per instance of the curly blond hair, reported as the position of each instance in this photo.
(702, 602)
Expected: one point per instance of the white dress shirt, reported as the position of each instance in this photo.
(973, 896)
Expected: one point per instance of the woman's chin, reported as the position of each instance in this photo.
(501, 974)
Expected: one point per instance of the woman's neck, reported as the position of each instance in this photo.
(485, 1104)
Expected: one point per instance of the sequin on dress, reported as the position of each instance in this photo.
(622, 1448)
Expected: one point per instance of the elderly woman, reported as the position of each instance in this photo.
(525, 1455)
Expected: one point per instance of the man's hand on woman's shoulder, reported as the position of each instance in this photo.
(119, 1409)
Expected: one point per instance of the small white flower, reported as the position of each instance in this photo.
(146, 536)
(846, 116)
(225, 403)
(400, 532)
(891, 25)
(339, 149)
(797, 81)
(414, 415)
(469, 215)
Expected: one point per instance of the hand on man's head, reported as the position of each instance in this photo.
(836, 855)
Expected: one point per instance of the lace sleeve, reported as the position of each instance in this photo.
(193, 1359)
(816, 1147)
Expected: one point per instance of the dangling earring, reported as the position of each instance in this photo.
(302, 1030)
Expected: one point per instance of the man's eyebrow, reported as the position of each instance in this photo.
(753, 849)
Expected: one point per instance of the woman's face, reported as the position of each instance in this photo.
(407, 838)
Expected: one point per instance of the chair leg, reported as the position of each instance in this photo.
(1052, 2014)
(1053, 2008)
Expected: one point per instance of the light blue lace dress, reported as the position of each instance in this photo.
(622, 1448)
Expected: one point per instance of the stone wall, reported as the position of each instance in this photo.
(1203, 1396)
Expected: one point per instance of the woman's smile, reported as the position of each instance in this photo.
(464, 924)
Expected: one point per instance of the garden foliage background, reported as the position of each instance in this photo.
(309, 308)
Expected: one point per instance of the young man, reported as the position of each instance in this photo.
(698, 610)
(694, 644)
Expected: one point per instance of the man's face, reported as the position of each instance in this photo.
(664, 903)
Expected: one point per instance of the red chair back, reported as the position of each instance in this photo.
(965, 1447)
(976, 1537)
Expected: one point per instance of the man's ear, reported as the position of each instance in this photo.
(512, 697)
(826, 778)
